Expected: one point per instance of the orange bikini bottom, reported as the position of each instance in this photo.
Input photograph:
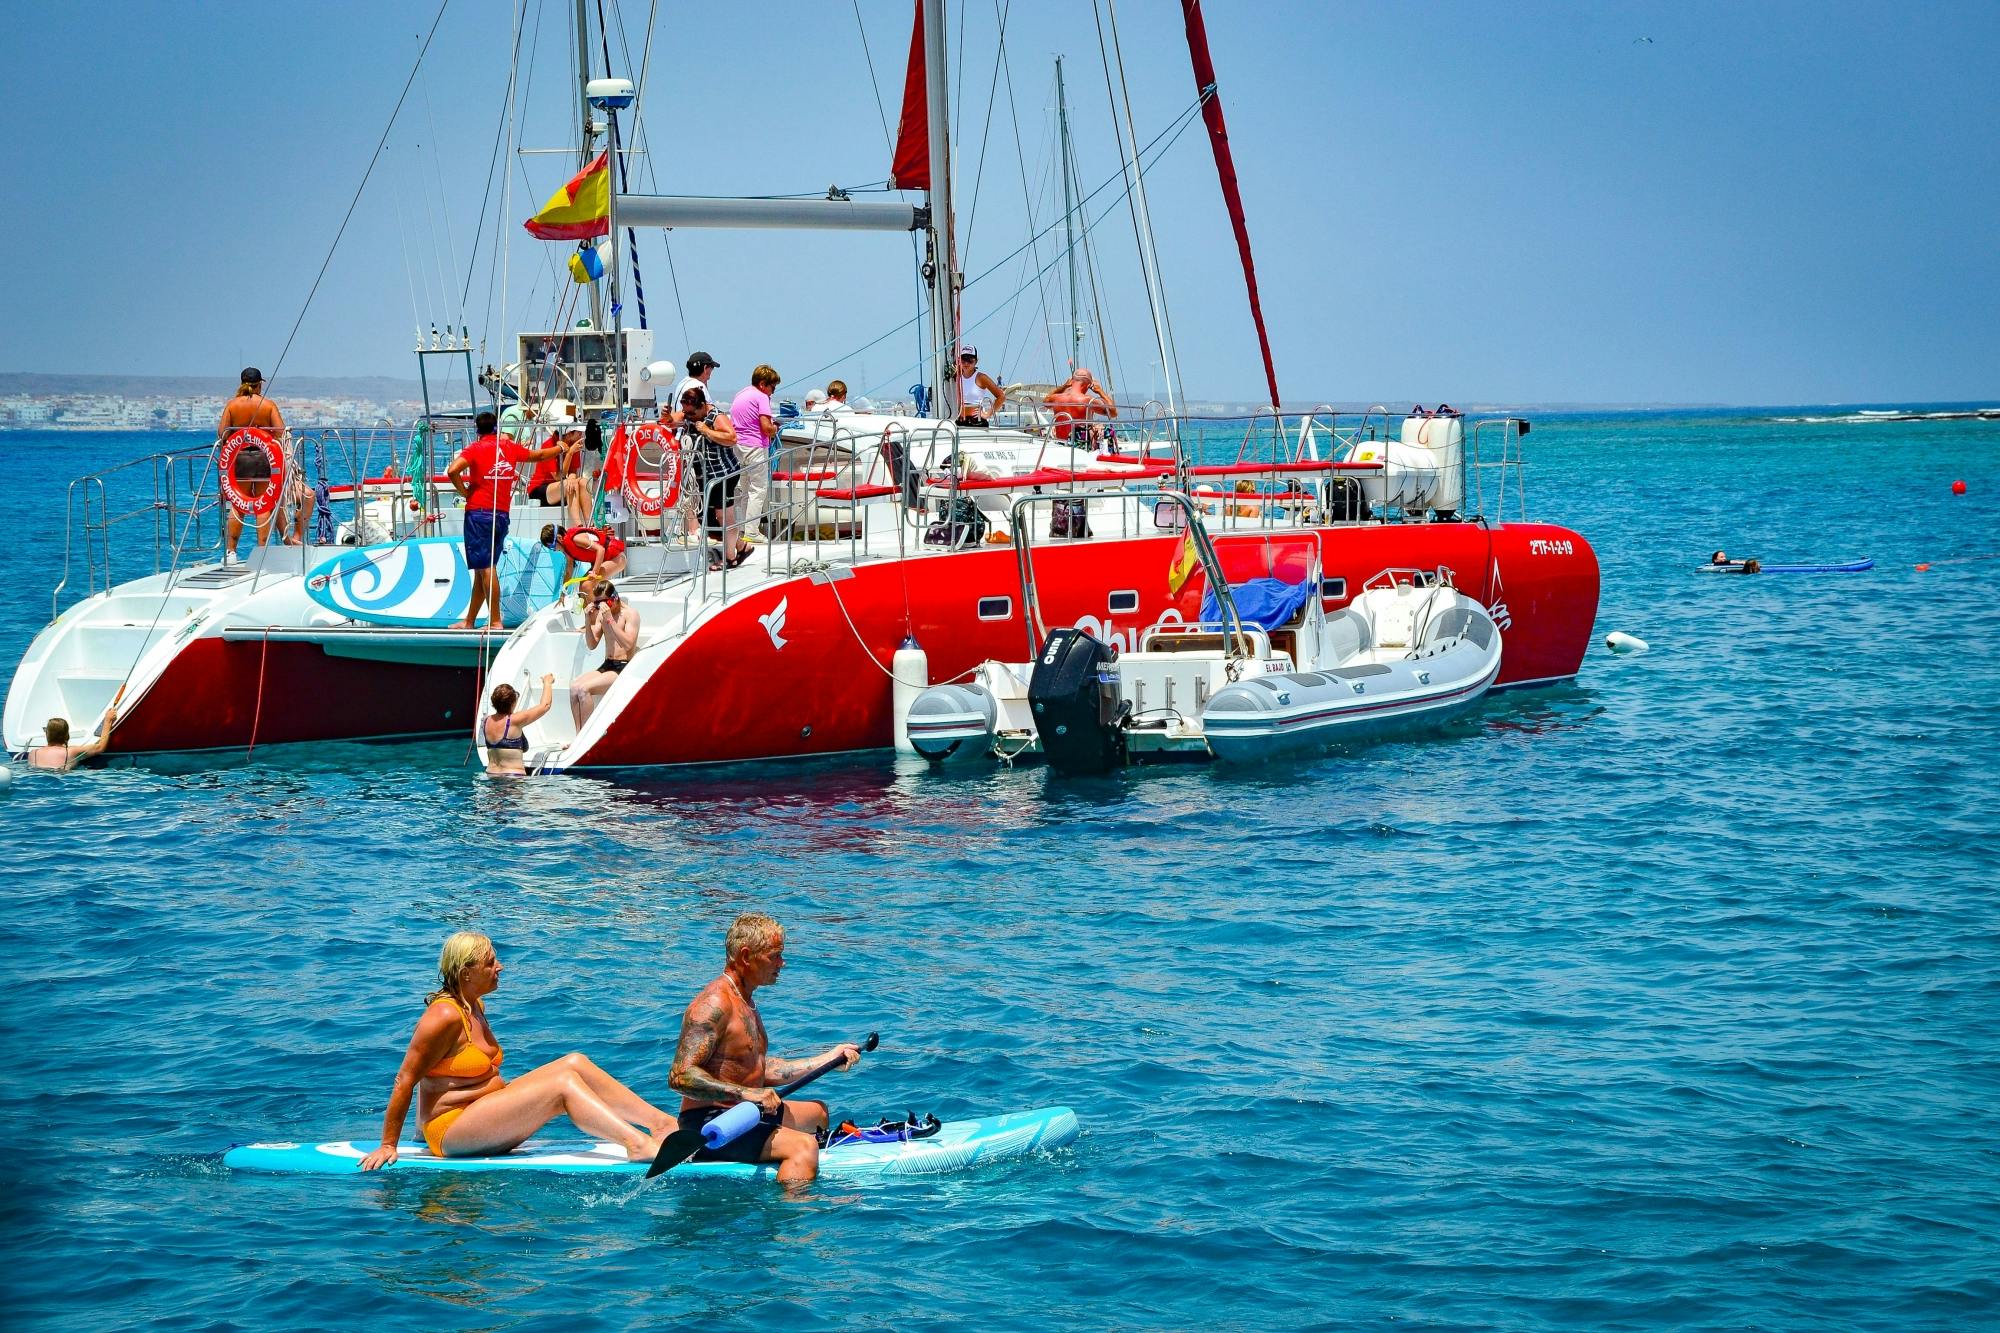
(435, 1127)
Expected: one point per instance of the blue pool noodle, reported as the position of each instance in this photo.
(732, 1124)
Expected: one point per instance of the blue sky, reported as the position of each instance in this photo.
(1535, 202)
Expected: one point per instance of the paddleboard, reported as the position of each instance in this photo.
(960, 1146)
(1851, 567)
(423, 582)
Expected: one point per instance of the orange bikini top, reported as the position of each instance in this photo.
(469, 1060)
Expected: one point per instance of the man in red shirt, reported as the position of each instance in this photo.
(484, 473)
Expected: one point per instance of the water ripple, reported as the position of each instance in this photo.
(1664, 999)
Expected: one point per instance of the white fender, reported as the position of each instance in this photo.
(910, 672)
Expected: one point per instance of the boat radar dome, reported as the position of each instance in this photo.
(609, 94)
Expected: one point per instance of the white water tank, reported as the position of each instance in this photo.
(1425, 467)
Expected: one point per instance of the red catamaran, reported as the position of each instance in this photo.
(868, 591)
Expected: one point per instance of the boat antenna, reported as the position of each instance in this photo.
(1069, 220)
(1142, 218)
(944, 277)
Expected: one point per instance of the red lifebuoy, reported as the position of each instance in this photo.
(649, 434)
(607, 543)
(245, 504)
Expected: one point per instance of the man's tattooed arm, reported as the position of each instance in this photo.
(700, 1029)
(784, 1071)
(778, 1071)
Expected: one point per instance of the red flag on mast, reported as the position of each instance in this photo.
(911, 168)
(1225, 169)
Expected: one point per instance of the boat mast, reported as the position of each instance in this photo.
(1069, 220)
(942, 268)
(586, 133)
(1142, 218)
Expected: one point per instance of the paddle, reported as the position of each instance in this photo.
(685, 1143)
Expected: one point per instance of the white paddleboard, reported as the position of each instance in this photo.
(424, 583)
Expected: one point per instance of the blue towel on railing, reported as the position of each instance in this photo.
(1265, 603)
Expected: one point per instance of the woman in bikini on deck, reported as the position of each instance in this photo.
(468, 1110)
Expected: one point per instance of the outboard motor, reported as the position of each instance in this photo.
(1076, 711)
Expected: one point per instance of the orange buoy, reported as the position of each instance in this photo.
(1958, 488)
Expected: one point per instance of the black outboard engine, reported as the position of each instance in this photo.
(1076, 713)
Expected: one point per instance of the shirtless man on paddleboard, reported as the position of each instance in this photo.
(722, 1060)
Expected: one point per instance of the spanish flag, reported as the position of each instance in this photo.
(1187, 559)
(580, 210)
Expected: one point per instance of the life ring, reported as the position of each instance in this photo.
(607, 543)
(245, 504)
(648, 434)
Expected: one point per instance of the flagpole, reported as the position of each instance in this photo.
(617, 309)
(611, 95)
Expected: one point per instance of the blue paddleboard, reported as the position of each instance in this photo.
(960, 1145)
(1736, 567)
(423, 582)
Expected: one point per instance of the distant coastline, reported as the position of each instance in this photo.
(34, 401)
(31, 400)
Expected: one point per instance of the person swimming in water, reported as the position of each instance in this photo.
(452, 1068)
(59, 756)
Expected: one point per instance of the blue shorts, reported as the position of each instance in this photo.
(485, 536)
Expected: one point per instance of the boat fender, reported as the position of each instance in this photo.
(6, 775)
(731, 1125)
(245, 504)
(1625, 645)
(941, 720)
(606, 542)
(909, 676)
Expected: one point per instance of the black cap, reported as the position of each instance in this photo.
(701, 361)
(250, 375)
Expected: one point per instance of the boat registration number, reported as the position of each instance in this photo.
(1551, 546)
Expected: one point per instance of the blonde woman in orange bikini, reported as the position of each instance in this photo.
(468, 1110)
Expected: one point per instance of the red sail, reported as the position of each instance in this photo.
(1225, 169)
(911, 169)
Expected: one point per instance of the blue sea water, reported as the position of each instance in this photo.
(1667, 999)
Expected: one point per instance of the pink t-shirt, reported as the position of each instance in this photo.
(751, 404)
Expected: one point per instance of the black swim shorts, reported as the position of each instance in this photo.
(745, 1147)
